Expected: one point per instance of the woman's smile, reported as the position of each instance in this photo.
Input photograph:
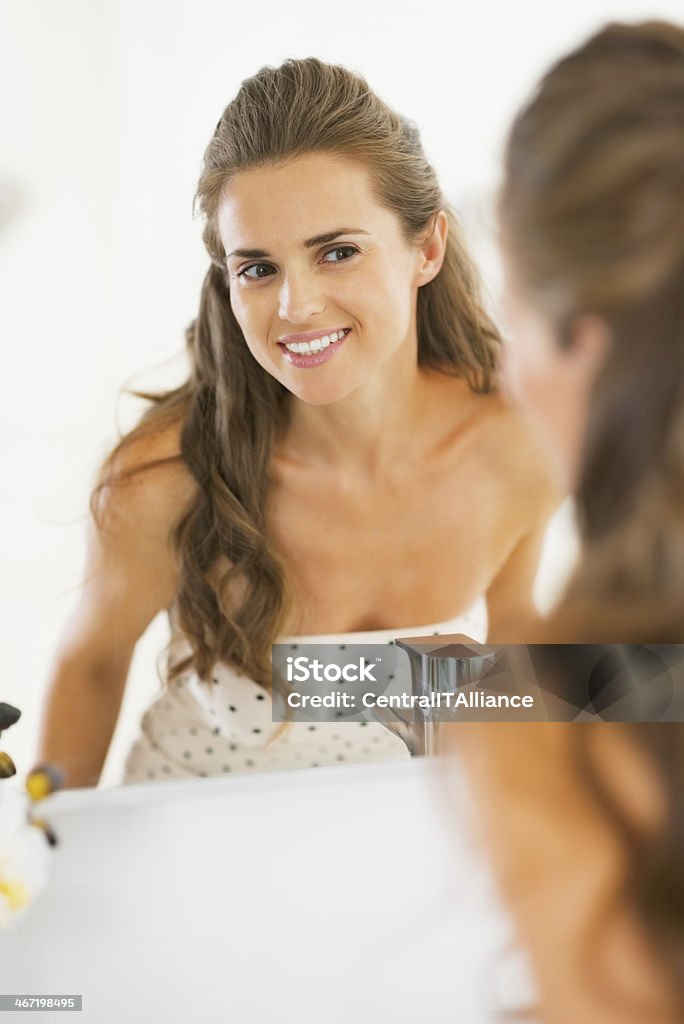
(312, 348)
(293, 267)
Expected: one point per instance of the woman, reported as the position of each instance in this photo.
(339, 463)
(586, 821)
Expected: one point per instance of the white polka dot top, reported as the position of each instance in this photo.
(193, 729)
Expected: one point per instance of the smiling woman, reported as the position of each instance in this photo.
(359, 284)
(339, 463)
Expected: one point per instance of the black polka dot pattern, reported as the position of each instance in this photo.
(224, 726)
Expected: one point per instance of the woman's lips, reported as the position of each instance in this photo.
(306, 360)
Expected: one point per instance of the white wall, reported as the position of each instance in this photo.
(106, 109)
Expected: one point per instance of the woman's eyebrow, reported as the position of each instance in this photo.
(249, 254)
(330, 236)
(310, 243)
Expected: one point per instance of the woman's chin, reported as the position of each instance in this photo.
(319, 388)
(320, 396)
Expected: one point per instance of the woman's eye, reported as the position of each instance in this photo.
(340, 253)
(256, 271)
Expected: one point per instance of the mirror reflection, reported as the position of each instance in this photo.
(334, 462)
(342, 395)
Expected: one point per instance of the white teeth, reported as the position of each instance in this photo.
(315, 345)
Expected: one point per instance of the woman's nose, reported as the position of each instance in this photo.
(299, 299)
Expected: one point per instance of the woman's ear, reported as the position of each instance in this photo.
(586, 344)
(432, 250)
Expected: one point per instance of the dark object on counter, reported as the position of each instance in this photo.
(8, 716)
(7, 769)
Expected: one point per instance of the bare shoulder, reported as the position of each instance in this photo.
(131, 567)
(507, 444)
(145, 489)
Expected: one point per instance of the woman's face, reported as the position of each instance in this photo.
(551, 383)
(322, 282)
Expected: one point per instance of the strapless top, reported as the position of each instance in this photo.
(196, 729)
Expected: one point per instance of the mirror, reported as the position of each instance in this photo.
(103, 265)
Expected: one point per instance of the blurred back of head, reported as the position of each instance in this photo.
(592, 217)
(592, 212)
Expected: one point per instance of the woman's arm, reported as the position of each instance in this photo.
(130, 576)
(562, 863)
(511, 612)
(529, 498)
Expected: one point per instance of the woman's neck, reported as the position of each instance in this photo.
(396, 417)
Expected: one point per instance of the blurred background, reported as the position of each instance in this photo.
(106, 107)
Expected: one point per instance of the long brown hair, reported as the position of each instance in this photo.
(592, 209)
(593, 203)
(231, 410)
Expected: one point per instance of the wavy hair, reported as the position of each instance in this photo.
(593, 203)
(230, 409)
(592, 207)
